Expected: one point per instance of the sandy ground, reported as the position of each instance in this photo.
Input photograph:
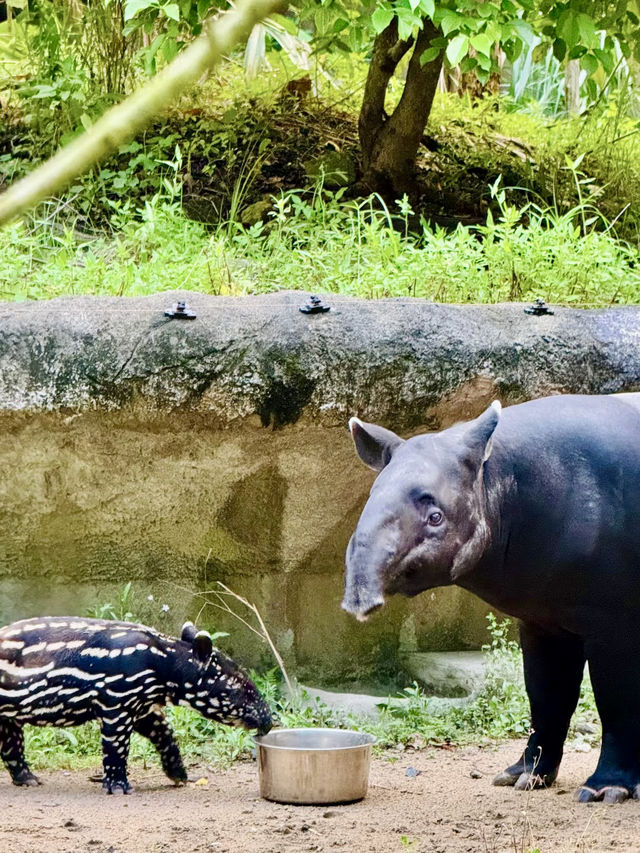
(450, 806)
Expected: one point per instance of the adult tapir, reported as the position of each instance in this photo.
(536, 509)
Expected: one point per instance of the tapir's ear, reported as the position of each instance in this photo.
(478, 438)
(202, 646)
(188, 632)
(375, 444)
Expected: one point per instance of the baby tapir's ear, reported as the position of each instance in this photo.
(202, 646)
(189, 632)
(478, 438)
(374, 444)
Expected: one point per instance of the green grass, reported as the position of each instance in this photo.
(315, 241)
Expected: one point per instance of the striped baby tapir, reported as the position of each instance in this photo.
(65, 671)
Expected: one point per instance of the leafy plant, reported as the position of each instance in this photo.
(119, 611)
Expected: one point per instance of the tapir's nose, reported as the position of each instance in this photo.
(362, 614)
(371, 549)
(363, 592)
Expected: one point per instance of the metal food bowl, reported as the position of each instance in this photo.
(313, 766)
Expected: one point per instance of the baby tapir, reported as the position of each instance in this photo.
(64, 671)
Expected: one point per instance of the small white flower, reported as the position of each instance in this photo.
(149, 598)
(165, 608)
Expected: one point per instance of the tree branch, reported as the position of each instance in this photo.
(388, 50)
(119, 124)
(420, 87)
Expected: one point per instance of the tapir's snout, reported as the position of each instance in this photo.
(363, 590)
(362, 609)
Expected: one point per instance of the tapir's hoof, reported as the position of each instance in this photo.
(26, 779)
(525, 781)
(531, 781)
(608, 794)
(178, 775)
(119, 787)
(505, 779)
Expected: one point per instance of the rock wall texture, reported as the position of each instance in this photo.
(174, 453)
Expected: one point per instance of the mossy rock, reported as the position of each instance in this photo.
(335, 169)
(256, 212)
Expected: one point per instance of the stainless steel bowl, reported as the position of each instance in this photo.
(313, 766)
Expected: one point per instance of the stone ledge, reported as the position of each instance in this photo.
(405, 362)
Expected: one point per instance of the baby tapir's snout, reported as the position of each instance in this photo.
(64, 671)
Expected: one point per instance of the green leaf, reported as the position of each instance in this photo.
(495, 32)
(513, 50)
(559, 49)
(450, 22)
(427, 7)
(587, 28)
(568, 28)
(132, 7)
(172, 11)
(340, 24)
(482, 44)
(406, 22)
(486, 10)
(539, 52)
(413, 4)
(606, 58)
(429, 55)
(589, 63)
(457, 48)
(467, 64)
(577, 51)
(381, 19)
(170, 49)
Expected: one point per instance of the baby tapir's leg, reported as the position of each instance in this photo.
(116, 736)
(155, 727)
(12, 752)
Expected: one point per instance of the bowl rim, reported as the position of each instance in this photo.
(257, 739)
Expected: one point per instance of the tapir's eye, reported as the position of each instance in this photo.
(435, 518)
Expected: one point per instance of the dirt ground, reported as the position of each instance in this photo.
(449, 806)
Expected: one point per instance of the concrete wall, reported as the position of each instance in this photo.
(177, 453)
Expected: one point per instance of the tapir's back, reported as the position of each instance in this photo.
(555, 436)
(572, 464)
(53, 669)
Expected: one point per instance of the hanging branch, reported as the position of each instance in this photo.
(264, 635)
(122, 122)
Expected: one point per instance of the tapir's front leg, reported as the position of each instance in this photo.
(12, 752)
(155, 727)
(553, 670)
(116, 736)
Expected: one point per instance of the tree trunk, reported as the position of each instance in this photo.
(389, 144)
(572, 87)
